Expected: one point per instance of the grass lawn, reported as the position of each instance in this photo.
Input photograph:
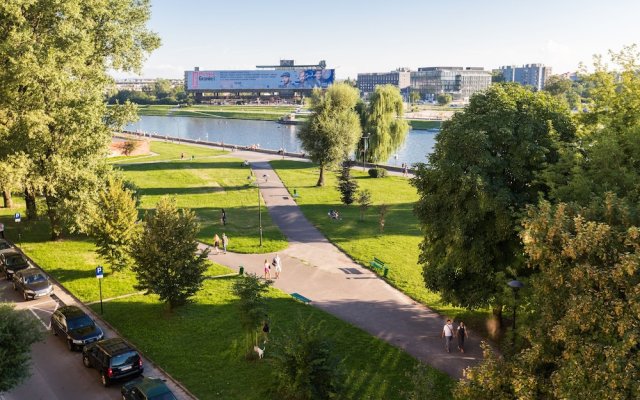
(267, 113)
(166, 151)
(362, 240)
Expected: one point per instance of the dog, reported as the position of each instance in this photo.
(259, 351)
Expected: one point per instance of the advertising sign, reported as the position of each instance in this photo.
(259, 79)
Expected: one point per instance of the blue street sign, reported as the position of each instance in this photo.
(17, 217)
(99, 272)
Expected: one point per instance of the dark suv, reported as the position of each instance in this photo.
(76, 327)
(12, 261)
(146, 389)
(113, 358)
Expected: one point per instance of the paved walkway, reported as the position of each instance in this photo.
(318, 270)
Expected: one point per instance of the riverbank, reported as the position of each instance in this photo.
(256, 113)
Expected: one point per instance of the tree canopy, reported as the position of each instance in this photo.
(480, 177)
(331, 133)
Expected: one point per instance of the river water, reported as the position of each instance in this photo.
(266, 134)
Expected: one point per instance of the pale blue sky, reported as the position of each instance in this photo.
(377, 35)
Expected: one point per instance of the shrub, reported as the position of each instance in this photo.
(377, 172)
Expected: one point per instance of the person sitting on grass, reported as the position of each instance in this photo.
(333, 214)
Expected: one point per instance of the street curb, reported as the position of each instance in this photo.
(98, 317)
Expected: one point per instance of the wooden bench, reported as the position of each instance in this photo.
(380, 266)
(300, 297)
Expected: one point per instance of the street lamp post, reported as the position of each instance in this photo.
(516, 285)
(365, 144)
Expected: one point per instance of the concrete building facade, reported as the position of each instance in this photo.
(534, 75)
(367, 82)
(459, 82)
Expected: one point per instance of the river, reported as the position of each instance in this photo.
(267, 134)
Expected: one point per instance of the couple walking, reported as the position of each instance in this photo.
(276, 264)
(448, 333)
(217, 242)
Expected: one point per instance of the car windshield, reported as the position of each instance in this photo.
(4, 245)
(35, 278)
(163, 396)
(80, 322)
(130, 357)
(15, 260)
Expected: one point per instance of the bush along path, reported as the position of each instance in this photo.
(316, 269)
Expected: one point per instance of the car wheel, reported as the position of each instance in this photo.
(104, 379)
(85, 361)
(70, 345)
(24, 295)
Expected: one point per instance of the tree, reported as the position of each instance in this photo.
(482, 174)
(18, 331)
(383, 123)
(165, 254)
(497, 76)
(129, 146)
(382, 213)
(444, 98)
(13, 172)
(304, 364)
(331, 133)
(253, 307)
(347, 186)
(113, 224)
(52, 84)
(581, 324)
(414, 96)
(364, 200)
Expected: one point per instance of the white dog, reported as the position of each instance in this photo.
(259, 351)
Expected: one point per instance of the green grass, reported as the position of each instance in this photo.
(165, 151)
(420, 124)
(362, 240)
(253, 112)
(201, 345)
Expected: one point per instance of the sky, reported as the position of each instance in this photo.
(377, 36)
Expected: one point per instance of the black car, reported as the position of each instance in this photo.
(75, 326)
(146, 388)
(12, 261)
(4, 245)
(113, 358)
(32, 282)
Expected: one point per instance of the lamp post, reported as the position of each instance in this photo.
(365, 140)
(516, 285)
(259, 206)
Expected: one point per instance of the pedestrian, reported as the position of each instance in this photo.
(267, 269)
(277, 264)
(216, 243)
(2, 230)
(225, 242)
(447, 334)
(405, 170)
(461, 334)
(182, 156)
(224, 217)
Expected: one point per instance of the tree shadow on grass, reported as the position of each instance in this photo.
(178, 165)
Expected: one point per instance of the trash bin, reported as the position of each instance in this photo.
(384, 274)
(241, 272)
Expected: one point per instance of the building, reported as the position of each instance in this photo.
(459, 82)
(400, 78)
(534, 75)
(270, 82)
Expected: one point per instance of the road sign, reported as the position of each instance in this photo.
(17, 217)
(99, 271)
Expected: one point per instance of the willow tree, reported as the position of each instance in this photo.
(383, 123)
(54, 63)
(333, 130)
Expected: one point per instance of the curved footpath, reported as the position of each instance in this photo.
(318, 270)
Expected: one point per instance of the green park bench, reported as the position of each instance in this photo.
(380, 266)
(300, 297)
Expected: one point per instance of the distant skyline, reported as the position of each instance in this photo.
(379, 36)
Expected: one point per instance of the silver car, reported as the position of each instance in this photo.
(32, 282)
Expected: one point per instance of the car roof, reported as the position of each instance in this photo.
(71, 311)
(152, 386)
(114, 346)
(30, 271)
(12, 253)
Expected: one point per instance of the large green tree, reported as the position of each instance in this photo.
(482, 174)
(18, 331)
(252, 305)
(166, 261)
(383, 123)
(54, 61)
(331, 133)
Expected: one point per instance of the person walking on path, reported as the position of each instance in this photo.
(216, 243)
(461, 334)
(224, 218)
(2, 230)
(278, 265)
(225, 242)
(405, 169)
(267, 269)
(447, 333)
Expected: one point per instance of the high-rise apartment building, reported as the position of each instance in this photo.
(534, 75)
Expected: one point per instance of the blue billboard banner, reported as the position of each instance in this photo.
(259, 79)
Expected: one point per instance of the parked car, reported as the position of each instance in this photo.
(12, 261)
(146, 388)
(113, 358)
(75, 327)
(32, 283)
(5, 246)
